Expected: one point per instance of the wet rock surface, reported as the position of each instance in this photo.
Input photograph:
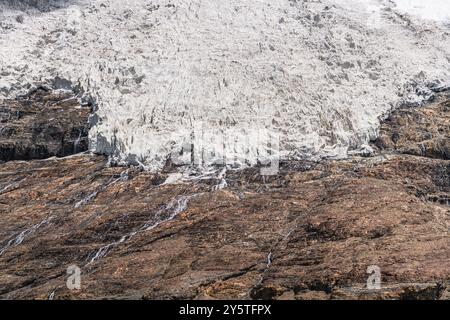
(310, 232)
(42, 124)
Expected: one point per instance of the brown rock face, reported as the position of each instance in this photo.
(311, 232)
(42, 124)
(422, 132)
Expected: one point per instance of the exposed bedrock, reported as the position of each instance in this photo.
(310, 232)
(421, 131)
(43, 124)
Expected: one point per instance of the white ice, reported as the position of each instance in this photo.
(318, 73)
(438, 10)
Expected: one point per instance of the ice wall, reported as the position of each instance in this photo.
(318, 74)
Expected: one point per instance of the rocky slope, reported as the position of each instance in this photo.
(309, 232)
(422, 132)
(43, 124)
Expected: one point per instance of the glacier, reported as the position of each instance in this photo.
(226, 77)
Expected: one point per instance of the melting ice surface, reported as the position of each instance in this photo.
(317, 73)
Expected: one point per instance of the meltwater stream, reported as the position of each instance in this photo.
(91, 196)
(18, 239)
(11, 186)
(228, 76)
(163, 215)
